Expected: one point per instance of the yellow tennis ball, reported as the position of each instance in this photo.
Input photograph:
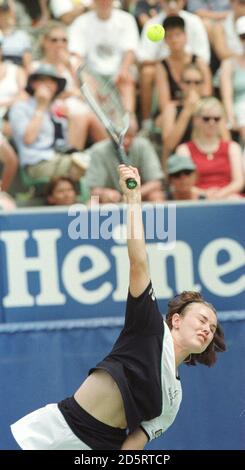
(155, 32)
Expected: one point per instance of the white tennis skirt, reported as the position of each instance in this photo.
(46, 429)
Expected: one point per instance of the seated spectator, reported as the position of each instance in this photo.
(9, 162)
(176, 119)
(177, 116)
(181, 178)
(12, 83)
(150, 52)
(226, 41)
(102, 174)
(38, 12)
(61, 191)
(232, 79)
(210, 11)
(68, 10)
(16, 43)
(145, 10)
(107, 39)
(170, 70)
(41, 139)
(54, 52)
(218, 162)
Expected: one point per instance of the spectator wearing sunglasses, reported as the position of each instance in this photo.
(182, 178)
(233, 86)
(54, 52)
(177, 116)
(218, 162)
(176, 119)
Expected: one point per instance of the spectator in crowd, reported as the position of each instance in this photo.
(182, 179)
(61, 191)
(150, 52)
(107, 39)
(54, 52)
(43, 143)
(12, 83)
(16, 43)
(218, 162)
(226, 41)
(232, 80)
(170, 70)
(176, 118)
(37, 11)
(210, 11)
(68, 10)
(102, 174)
(9, 163)
(145, 10)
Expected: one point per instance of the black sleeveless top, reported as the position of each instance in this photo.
(175, 90)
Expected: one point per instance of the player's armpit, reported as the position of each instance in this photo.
(135, 441)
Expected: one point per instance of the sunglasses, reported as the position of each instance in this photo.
(178, 174)
(64, 40)
(210, 118)
(192, 82)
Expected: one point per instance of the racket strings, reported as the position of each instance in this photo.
(106, 94)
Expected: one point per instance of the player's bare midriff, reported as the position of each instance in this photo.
(100, 396)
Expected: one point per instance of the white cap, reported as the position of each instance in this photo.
(240, 25)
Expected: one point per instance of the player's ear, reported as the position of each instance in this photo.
(176, 321)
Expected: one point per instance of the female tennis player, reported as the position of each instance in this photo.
(133, 395)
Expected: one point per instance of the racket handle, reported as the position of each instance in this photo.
(131, 183)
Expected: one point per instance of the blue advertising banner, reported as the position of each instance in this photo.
(58, 265)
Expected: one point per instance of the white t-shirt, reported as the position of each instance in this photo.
(197, 39)
(233, 41)
(61, 7)
(103, 42)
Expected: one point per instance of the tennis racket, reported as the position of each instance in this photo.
(104, 100)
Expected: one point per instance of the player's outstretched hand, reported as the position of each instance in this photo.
(126, 172)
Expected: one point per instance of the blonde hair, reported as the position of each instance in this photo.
(205, 104)
(50, 26)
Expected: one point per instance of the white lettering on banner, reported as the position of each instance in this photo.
(18, 265)
(183, 268)
(120, 254)
(211, 272)
(74, 279)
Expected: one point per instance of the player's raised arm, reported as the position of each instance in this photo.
(139, 272)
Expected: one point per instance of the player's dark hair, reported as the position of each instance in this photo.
(179, 304)
(172, 22)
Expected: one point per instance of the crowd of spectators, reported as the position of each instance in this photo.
(185, 98)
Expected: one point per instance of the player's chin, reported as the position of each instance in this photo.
(199, 346)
